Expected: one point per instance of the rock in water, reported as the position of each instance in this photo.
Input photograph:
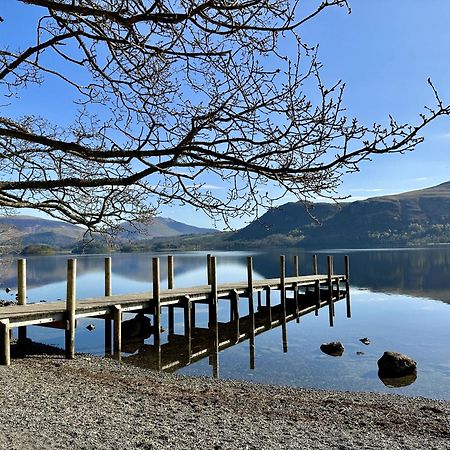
(393, 365)
(90, 327)
(332, 348)
(365, 341)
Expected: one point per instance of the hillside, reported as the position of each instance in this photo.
(28, 232)
(411, 218)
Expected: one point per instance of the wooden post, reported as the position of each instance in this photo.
(234, 306)
(283, 285)
(297, 306)
(315, 265)
(108, 293)
(187, 315)
(330, 290)
(117, 315)
(268, 305)
(170, 272)
(193, 315)
(296, 271)
(108, 283)
(347, 286)
(317, 294)
(5, 356)
(171, 311)
(157, 300)
(213, 313)
(208, 268)
(22, 294)
(71, 307)
(284, 336)
(251, 310)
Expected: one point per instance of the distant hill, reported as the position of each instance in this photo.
(411, 218)
(159, 227)
(28, 232)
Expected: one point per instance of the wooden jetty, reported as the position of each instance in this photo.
(323, 288)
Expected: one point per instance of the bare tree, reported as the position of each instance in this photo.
(171, 95)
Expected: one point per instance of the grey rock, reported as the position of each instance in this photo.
(393, 365)
(333, 348)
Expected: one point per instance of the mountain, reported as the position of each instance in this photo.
(159, 227)
(411, 218)
(29, 230)
(19, 232)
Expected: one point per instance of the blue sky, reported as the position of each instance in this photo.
(384, 51)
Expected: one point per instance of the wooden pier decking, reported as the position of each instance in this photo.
(112, 307)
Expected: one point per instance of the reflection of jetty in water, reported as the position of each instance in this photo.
(197, 343)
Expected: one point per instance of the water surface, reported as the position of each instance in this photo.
(400, 301)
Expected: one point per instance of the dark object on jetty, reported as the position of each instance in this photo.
(394, 365)
(333, 348)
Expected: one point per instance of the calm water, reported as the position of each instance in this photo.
(400, 300)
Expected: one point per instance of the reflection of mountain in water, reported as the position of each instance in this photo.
(421, 272)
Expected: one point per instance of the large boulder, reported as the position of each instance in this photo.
(393, 365)
(332, 348)
(140, 327)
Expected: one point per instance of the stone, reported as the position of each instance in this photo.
(396, 382)
(332, 348)
(140, 327)
(365, 341)
(393, 365)
(90, 327)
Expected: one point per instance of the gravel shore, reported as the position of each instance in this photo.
(92, 403)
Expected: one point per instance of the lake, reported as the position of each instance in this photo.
(400, 300)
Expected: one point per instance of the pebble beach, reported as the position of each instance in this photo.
(95, 403)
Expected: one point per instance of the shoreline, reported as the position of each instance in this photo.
(90, 402)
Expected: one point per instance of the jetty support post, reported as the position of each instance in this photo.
(234, 312)
(5, 342)
(108, 293)
(117, 315)
(284, 337)
(22, 294)
(214, 321)
(170, 284)
(347, 286)
(317, 295)
(330, 289)
(283, 285)
(208, 268)
(251, 309)
(315, 265)
(268, 305)
(156, 300)
(71, 308)
(296, 266)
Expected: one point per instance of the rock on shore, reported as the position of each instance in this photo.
(49, 403)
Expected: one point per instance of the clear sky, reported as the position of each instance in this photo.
(384, 51)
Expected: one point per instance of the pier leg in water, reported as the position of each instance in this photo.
(347, 286)
(193, 315)
(251, 311)
(297, 306)
(187, 308)
(117, 314)
(234, 313)
(330, 290)
(171, 313)
(71, 308)
(157, 300)
(5, 343)
(214, 322)
(317, 294)
(22, 295)
(284, 335)
(283, 285)
(268, 305)
(107, 319)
